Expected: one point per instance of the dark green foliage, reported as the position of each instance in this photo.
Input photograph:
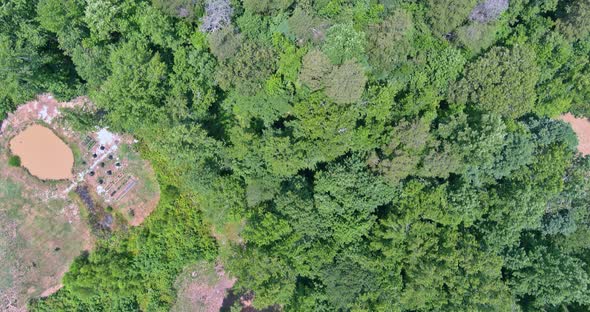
(391, 155)
(266, 6)
(575, 22)
(14, 161)
(501, 81)
(390, 42)
(30, 61)
(548, 276)
(81, 120)
(248, 69)
(178, 8)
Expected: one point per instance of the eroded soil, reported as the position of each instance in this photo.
(581, 127)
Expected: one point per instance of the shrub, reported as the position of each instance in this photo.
(14, 161)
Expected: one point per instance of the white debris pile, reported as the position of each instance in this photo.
(43, 113)
(217, 15)
(105, 137)
(489, 10)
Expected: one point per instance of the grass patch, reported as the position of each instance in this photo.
(12, 199)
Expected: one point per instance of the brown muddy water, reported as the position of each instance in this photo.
(43, 153)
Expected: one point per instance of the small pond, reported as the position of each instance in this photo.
(43, 153)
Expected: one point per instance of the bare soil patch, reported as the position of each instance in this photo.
(45, 224)
(43, 153)
(202, 288)
(40, 237)
(581, 127)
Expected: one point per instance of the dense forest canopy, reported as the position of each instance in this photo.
(346, 155)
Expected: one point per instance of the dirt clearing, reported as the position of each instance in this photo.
(69, 184)
(581, 127)
(202, 288)
(43, 153)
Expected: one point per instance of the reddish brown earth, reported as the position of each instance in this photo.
(581, 127)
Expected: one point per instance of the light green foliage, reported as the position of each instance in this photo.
(445, 66)
(116, 268)
(99, 16)
(266, 6)
(290, 62)
(346, 83)
(476, 37)
(389, 43)
(316, 68)
(306, 27)
(157, 26)
(224, 43)
(390, 155)
(501, 81)
(344, 43)
(446, 15)
(192, 88)
(57, 15)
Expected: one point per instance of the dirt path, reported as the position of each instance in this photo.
(581, 127)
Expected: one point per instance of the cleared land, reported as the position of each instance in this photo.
(47, 221)
(202, 287)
